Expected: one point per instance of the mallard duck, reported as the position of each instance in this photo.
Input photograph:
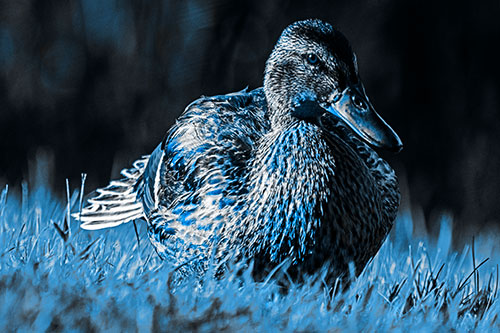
(286, 172)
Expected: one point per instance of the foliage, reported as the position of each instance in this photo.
(56, 276)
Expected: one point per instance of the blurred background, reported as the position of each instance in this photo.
(90, 85)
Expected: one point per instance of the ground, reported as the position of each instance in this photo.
(55, 276)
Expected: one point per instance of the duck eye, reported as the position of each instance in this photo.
(312, 59)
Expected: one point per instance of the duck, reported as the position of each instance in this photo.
(288, 172)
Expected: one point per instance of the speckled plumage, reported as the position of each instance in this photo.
(265, 174)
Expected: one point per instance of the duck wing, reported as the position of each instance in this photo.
(387, 182)
(116, 203)
(385, 177)
(204, 155)
(203, 166)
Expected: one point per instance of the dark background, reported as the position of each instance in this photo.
(90, 85)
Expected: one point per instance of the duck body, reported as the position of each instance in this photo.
(245, 175)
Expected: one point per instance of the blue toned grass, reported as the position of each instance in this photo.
(56, 276)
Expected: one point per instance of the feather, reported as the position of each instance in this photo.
(117, 203)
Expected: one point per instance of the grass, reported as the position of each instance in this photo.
(55, 276)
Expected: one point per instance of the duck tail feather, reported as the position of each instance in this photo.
(116, 203)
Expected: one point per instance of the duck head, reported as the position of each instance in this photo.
(312, 72)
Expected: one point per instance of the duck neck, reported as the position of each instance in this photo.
(278, 98)
(289, 187)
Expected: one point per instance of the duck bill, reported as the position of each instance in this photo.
(353, 107)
